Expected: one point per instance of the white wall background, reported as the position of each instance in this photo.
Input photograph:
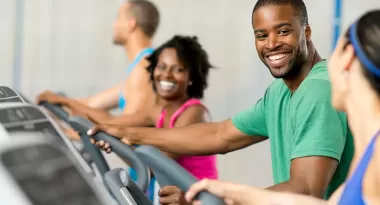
(67, 46)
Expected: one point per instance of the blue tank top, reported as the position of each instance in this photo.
(353, 192)
(122, 104)
(139, 57)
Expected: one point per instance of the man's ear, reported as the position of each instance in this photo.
(132, 24)
(308, 32)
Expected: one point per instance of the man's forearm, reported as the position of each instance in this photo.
(95, 115)
(197, 139)
(97, 103)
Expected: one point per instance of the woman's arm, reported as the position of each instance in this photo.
(141, 119)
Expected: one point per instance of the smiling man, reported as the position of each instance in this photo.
(310, 142)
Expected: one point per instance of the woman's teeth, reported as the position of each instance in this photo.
(167, 85)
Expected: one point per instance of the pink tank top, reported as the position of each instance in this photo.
(200, 166)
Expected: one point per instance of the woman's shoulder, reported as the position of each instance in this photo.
(195, 105)
(195, 112)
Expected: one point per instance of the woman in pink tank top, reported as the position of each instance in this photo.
(200, 166)
(178, 71)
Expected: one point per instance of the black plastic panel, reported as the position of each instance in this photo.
(48, 177)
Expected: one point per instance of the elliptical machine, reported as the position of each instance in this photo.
(166, 170)
(38, 172)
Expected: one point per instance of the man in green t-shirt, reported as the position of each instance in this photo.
(310, 142)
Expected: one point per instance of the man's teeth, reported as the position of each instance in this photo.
(166, 85)
(277, 57)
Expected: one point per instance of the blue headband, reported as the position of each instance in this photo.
(359, 52)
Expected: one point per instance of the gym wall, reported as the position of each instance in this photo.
(67, 46)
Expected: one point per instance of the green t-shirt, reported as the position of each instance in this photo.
(300, 124)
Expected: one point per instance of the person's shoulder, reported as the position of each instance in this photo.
(197, 109)
(140, 75)
(194, 113)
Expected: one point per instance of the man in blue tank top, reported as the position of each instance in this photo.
(134, 27)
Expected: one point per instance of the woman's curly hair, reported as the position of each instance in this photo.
(194, 58)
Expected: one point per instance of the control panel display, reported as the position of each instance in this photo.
(47, 176)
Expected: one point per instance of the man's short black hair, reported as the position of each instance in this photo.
(298, 6)
(146, 15)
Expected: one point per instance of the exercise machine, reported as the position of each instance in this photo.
(122, 187)
(166, 170)
(37, 172)
(8, 95)
(22, 117)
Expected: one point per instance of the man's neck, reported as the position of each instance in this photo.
(312, 59)
(135, 44)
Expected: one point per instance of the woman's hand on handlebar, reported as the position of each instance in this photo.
(232, 194)
(172, 195)
(50, 97)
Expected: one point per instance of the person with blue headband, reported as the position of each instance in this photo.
(354, 70)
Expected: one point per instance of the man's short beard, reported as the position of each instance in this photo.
(297, 63)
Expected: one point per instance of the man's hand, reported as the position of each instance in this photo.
(50, 97)
(102, 145)
(113, 130)
(172, 195)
